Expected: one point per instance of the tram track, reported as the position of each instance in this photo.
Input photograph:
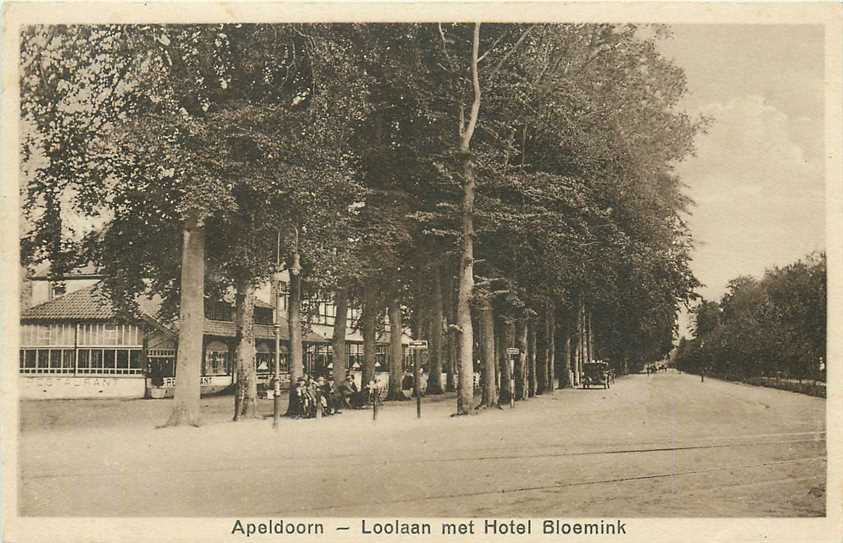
(557, 486)
(291, 463)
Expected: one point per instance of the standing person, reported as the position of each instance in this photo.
(321, 397)
(371, 392)
(702, 374)
(407, 382)
(299, 399)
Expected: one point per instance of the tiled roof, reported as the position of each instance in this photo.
(89, 303)
(92, 303)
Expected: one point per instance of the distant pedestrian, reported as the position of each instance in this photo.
(702, 375)
(408, 382)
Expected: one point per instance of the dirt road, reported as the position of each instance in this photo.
(662, 445)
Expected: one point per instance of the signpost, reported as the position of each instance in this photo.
(415, 347)
(512, 353)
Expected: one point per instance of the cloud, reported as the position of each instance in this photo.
(760, 197)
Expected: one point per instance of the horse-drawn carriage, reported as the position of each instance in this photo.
(596, 374)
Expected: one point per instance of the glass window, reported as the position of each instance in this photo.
(123, 359)
(216, 363)
(21, 364)
(381, 358)
(84, 356)
(135, 360)
(108, 360)
(58, 289)
(55, 359)
(263, 315)
(96, 359)
(31, 358)
(43, 358)
(265, 362)
(68, 359)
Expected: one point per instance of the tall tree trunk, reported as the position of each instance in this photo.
(465, 397)
(496, 356)
(296, 350)
(369, 329)
(247, 375)
(580, 342)
(487, 335)
(531, 357)
(338, 340)
(551, 346)
(422, 307)
(590, 335)
(434, 380)
(191, 325)
(396, 351)
(506, 341)
(452, 338)
(521, 363)
(566, 361)
(541, 354)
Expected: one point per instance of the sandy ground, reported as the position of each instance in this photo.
(663, 445)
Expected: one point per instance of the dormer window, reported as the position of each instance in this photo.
(57, 289)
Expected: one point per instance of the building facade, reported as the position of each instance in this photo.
(74, 345)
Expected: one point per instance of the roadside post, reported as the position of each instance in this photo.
(276, 325)
(415, 348)
(512, 352)
(373, 397)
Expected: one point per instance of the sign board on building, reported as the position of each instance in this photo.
(512, 350)
(418, 344)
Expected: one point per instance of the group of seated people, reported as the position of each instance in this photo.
(310, 395)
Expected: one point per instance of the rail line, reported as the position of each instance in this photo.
(556, 486)
(290, 462)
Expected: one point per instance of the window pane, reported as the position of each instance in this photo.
(69, 359)
(22, 358)
(84, 355)
(108, 359)
(43, 358)
(135, 359)
(96, 359)
(31, 357)
(123, 359)
(55, 358)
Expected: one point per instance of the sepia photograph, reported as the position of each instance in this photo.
(461, 277)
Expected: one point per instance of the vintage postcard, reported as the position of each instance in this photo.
(364, 272)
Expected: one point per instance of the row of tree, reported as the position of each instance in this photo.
(769, 327)
(485, 185)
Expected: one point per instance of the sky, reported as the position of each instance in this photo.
(758, 174)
